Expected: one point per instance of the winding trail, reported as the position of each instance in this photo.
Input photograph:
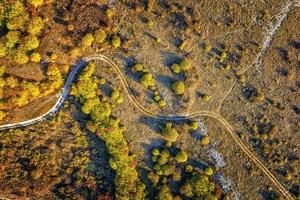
(183, 116)
(62, 95)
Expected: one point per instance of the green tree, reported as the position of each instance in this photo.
(181, 157)
(170, 133)
(36, 3)
(164, 193)
(87, 40)
(116, 41)
(147, 80)
(100, 36)
(178, 87)
(35, 26)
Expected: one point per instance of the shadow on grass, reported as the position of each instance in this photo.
(93, 179)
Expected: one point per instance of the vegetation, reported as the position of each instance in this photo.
(169, 132)
(22, 31)
(147, 80)
(178, 87)
(108, 128)
(116, 41)
(181, 157)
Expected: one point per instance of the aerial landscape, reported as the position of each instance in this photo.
(149, 99)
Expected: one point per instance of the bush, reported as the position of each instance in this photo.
(176, 68)
(115, 94)
(164, 193)
(155, 152)
(21, 57)
(168, 169)
(138, 67)
(100, 36)
(154, 178)
(165, 153)
(181, 157)
(110, 13)
(12, 38)
(170, 133)
(2, 115)
(178, 87)
(204, 140)
(35, 26)
(185, 64)
(162, 160)
(75, 52)
(147, 80)
(209, 171)
(36, 3)
(30, 42)
(35, 57)
(2, 50)
(189, 168)
(205, 98)
(162, 103)
(87, 40)
(116, 41)
(194, 125)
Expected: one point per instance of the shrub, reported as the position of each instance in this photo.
(35, 57)
(2, 115)
(116, 41)
(204, 140)
(164, 193)
(157, 98)
(2, 50)
(154, 178)
(177, 175)
(205, 98)
(12, 38)
(209, 171)
(90, 105)
(110, 13)
(12, 82)
(181, 157)
(101, 112)
(162, 103)
(198, 186)
(75, 52)
(170, 133)
(168, 169)
(162, 160)
(35, 3)
(30, 42)
(35, 26)
(102, 81)
(182, 45)
(178, 87)
(115, 94)
(194, 125)
(147, 80)
(100, 36)
(20, 57)
(176, 68)
(189, 168)
(150, 23)
(119, 100)
(165, 153)
(185, 64)
(2, 70)
(138, 67)
(87, 40)
(155, 152)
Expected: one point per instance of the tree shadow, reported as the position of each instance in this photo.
(78, 182)
(169, 58)
(165, 80)
(129, 62)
